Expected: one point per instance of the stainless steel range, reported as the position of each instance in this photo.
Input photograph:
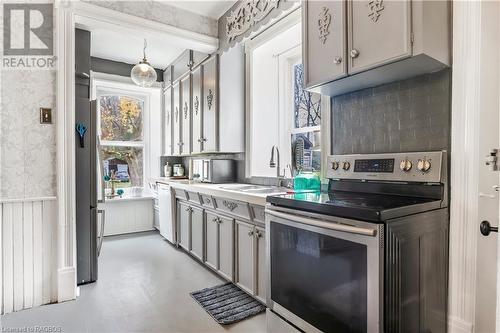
(368, 255)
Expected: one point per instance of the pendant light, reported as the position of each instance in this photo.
(143, 74)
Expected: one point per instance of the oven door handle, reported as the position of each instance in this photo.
(327, 225)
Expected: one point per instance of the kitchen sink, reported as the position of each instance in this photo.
(255, 189)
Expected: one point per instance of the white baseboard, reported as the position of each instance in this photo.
(66, 284)
(458, 325)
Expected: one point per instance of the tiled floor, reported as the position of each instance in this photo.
(144, 285)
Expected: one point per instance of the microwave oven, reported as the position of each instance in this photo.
(214, 170)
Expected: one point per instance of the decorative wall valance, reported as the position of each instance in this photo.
(248, 16)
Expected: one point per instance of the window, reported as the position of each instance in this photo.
(121, 127)
(305, 130)
(281, 112)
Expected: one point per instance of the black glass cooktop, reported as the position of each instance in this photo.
(355, 205)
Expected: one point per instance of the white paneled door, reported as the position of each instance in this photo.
(28, 255)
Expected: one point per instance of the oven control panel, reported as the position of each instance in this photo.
(406, 167)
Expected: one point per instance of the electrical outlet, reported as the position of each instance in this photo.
(45, 116)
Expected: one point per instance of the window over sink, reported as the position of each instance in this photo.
(279, 110)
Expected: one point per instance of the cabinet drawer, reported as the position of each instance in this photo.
(193, 197)
(180, 194)
(258, 213)
(207, 201)
(233, 207)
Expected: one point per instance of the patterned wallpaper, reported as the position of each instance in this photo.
(27, 148)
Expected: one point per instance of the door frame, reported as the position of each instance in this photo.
(469, 19)
(68, 15)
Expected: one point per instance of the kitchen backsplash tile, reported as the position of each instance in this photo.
(409, 115)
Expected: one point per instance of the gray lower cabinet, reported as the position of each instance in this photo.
(212, 241)
(184, 225)
(250, 249)
(244, 275)
(197, 232)
(261, 274)
(219, 244)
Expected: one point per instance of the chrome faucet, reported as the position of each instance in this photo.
(272, 164)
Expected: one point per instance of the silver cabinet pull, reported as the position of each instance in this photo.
(337, 60)
(327, 225)
(354, 53)
(250, 233)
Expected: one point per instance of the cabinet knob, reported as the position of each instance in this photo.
(337, 60)
(354, 53)
(258, 234)
(250, 233)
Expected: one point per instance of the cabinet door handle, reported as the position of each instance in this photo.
(250, 233)
(258, 234)
(215, 219)
(354, 53)
(337, 60)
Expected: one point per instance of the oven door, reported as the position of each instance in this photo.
(324, 273)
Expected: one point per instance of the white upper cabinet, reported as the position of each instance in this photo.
(197, 103)
(355, 44)
(379, 33)
(209, 139)
(324, 48)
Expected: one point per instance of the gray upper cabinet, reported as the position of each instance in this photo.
(168, 114)
(186, 114)
(379, 33)
(379, 42)
(197, 102)
(197, 58)
(181, 65)
(210, 105)
(176, 124)
(324, 45)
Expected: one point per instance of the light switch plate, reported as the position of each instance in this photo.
(45, 116)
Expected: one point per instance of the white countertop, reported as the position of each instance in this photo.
(217, 190)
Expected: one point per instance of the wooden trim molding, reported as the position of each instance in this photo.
(464, 164)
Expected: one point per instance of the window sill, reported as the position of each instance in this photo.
(124, 198)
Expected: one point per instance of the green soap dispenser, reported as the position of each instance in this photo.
(307, 180)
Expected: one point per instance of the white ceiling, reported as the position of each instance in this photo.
(210, 8)
(126, 47)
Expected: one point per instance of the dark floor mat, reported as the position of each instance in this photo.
(227, 304)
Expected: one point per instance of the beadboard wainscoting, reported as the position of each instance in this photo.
(28, 255)
(127, 215)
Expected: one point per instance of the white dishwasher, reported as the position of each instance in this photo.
(167, 222)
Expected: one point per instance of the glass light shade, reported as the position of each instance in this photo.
(143, 74)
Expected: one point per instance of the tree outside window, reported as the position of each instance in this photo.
(121, 133)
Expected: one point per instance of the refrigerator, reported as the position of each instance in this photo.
(86, 166)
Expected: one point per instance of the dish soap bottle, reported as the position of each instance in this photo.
(307, 180)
